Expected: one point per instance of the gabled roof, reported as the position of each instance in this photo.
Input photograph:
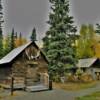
(15, 52)
(83, 63)
(10, 56)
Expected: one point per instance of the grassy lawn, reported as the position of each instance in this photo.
(94, 96)
(74, 86)
(4, 94)
(9, 97)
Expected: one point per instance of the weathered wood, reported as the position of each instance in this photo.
(12, 85)
(36, 88)
(26, 71)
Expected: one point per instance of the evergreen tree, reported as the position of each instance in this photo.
(20, 39)
(7, 43)
(97, 29)
(12, 45)
(57, 42)
(33, 35)
(16, 35)
(1, 35)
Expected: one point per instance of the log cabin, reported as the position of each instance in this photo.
(27, 64)
(90, 66)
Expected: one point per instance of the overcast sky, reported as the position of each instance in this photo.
(23, 15)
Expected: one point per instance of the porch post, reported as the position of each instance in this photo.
(12, 85)
(50, 84)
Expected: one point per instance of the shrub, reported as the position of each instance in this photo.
(85, 77)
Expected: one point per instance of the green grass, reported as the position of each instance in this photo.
(94, 96)
(74, 86)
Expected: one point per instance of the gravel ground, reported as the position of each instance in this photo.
(55, 94)
(44, 95)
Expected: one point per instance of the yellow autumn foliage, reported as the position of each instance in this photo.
(19, 42)
(97, 50)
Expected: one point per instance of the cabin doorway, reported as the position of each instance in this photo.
(35, 77)
(37, 81)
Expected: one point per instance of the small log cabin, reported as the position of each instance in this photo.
(27, 64)
(90, 66)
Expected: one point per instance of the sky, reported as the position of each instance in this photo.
(23, 15)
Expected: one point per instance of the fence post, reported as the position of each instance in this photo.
(12, 85)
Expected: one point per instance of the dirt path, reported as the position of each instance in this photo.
(56, 94)
(44, 95)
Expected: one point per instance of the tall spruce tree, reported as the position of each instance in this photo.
(16, 35)
(7, 44)
(20, 39)
(97, 28)
(1, 35)
(12, 45)
(33, 35)
(57, 42)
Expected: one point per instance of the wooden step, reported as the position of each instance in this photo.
(36, 88)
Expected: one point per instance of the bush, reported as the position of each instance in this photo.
(56, 78)
(70, 78)
(85, 77)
